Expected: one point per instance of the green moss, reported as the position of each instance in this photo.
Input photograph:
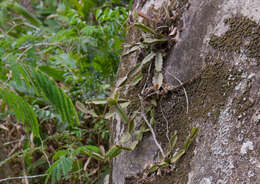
(243, 34)
(207, 95)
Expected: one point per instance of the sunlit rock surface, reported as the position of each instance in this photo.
(220, 40)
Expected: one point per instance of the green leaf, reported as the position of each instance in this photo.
(164, 164)
(158, 62)
(23, 110)
(16, 72)
(152, 120)
(187, 144)
(121, 81)
(148, 58)
(59, 154)
(135, 70)
(137, 79)
(173, 140)
(154, 102)
(129, 148)
(193, 132)
(125, 138)
(144, 28)
(125, 104)
(80, 106)
(109, 115)
(91, 151)
(154, 40)
(153, 168)
(22, 11)
(52, 72)
(97, 156)
(97, 102)
(61, 166)
(133, 145)
(113, 152)
(122, 114)
(172, 143)
(131, 125)
(55, 95)
(177, 156)
(132, 49)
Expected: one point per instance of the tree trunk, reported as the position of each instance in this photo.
(217, 58)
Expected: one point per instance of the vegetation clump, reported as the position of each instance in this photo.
(243, 35)
(54, 57)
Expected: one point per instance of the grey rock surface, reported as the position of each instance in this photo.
(227, 147)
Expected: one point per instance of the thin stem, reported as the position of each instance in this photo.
(150, 127)
(27, 48)
(185, 92)
(167, 123)
(23, 177)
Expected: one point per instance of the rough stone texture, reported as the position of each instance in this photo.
(220, 41)
(129, 163)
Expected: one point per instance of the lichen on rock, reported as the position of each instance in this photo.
(243, 35)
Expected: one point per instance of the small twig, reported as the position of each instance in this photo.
(39, 44)
(11, 142)
(185, 92)
(18, 154)
(16, 146)
(22, 54)
(150, 127)
(144, 16)
(23, 177)
(167, 123)
(45, 155)
(27, 48)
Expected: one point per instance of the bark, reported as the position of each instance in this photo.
(219, 43)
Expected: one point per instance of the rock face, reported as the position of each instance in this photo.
(218, 41)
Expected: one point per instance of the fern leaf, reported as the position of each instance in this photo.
(23, 111)
(61, 167)
(54, 94)
(22, 11)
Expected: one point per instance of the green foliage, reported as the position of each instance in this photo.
(22, 11)
(23, 111)
(61, 53)
(57, 98)
(58, 169)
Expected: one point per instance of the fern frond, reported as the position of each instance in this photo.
(61, 167)
(27, 15)
(55, 95)
(23, 111)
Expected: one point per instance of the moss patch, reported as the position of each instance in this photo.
(243, 34)
(208, 95)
